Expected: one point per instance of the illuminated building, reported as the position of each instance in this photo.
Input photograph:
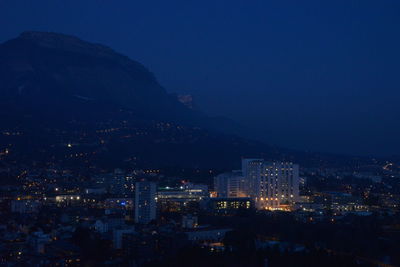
(178, 199)
(272, 185)
(145, 202)
(68, 199)
(228, 205)
(344, 202)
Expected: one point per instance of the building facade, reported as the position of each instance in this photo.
(230, 184)
(272, 185)
(145, 202)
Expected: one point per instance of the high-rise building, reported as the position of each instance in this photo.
(230, 184)
(271, 184)
(145, 202)
(252, 170)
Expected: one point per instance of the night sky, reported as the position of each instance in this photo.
(315, 75)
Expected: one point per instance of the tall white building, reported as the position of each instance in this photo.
(271, 184)
(145, 202)
(230, 184)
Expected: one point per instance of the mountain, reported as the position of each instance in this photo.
(40, 69)
(67, 100)
(53, 68)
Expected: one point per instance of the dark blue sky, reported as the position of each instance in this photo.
(316, 75)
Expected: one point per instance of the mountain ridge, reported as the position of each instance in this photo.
(58, 89)
(95, 72)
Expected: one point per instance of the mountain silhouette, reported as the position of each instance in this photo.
(64, 99)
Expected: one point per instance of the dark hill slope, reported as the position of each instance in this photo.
(58, 90)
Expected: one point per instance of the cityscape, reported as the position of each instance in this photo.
(199, 133)
(55, 217)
